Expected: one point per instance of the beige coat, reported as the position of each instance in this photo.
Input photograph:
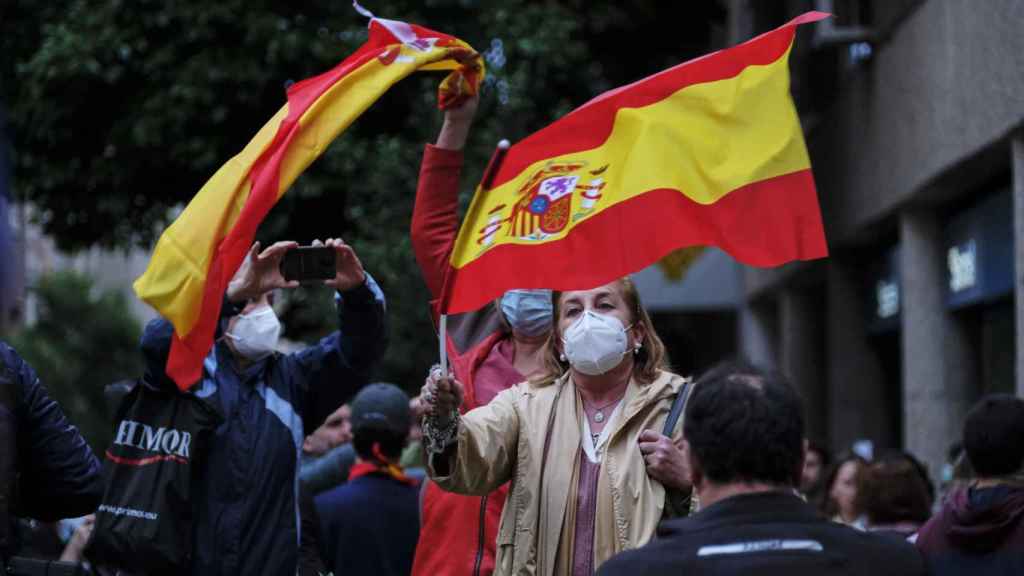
(504, 440)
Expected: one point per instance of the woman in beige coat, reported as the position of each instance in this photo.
(591, 473)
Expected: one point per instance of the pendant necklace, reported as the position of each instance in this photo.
(599, 412)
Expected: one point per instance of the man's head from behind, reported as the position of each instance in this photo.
(994, 436)
(744, 426)
(381, 419)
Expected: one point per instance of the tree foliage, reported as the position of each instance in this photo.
(121, 109)
(83, 340)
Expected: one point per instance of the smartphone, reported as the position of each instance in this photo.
(309, 263)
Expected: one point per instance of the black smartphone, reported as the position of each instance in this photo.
(308, 263)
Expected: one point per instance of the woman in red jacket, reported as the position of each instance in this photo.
(490, 349)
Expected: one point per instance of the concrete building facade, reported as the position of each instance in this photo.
(914, 125)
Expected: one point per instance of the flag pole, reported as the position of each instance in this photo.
(492, 167)
(485, 184)
(442, 331)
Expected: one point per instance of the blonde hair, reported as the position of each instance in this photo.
(651, 359)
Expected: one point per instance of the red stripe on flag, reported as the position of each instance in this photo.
(766, 223)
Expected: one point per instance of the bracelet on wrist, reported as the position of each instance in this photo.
(439, 432)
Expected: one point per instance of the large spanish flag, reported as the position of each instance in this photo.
(708, 153)
(199, 252)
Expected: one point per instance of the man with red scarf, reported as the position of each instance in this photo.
(370, 525)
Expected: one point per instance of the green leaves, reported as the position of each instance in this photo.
(83, 340)
(121, 110)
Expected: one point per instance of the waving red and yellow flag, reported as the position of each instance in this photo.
(198, 254)
(709, 152)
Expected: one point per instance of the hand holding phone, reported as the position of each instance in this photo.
(349, 271)
(260, 272)
(309, 263)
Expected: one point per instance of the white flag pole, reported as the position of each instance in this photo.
(443, 340)
(485, 184)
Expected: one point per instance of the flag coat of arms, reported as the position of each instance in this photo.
(199, 252)
(707, 153)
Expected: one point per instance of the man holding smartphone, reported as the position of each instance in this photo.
(246, 497)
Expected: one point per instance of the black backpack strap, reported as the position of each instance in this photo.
(678, 405)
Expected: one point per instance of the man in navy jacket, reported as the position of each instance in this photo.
(47, 471)
(246, 501)
(370, 525)
(744, 438)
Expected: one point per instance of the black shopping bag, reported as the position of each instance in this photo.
(144, 522)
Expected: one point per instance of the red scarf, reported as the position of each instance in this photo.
(380, 465)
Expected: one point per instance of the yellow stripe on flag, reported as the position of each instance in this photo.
(704, 140)
(188, 241)
(177, 290)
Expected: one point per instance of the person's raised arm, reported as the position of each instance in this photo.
(435, 221)
(341, 362)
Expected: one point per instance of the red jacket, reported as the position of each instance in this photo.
(458, 533)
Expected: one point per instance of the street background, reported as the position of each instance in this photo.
(113, 113)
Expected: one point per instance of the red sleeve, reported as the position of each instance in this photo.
(435, 221)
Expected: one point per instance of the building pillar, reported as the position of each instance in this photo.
(800, 354)
(759, 334)
(1017, 150)
(740, 22)
(856, 397)
(939, 367)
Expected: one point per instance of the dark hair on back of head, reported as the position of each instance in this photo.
(814, 445)
(892, 489)
(391, 444)
(994, 435)
(744, 424)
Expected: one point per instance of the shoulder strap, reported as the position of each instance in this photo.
(550, 428)
(678, 405)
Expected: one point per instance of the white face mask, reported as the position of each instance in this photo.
(595, 343)
(255, 334)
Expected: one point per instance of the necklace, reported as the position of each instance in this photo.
(599, 412)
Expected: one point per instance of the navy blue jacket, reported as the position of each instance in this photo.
(47, 471)
(768, 534)
(369, 526)
(246, 506)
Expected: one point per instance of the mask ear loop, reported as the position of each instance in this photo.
(638, 345)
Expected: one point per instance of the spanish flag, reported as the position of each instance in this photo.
(708, 153)
(199, 252)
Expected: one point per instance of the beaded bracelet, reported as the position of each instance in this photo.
(440, 433)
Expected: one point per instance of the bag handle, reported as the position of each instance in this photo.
(678, 405)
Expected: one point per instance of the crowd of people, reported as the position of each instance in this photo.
(558, 443)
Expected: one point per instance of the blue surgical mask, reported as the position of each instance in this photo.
(529, 312)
